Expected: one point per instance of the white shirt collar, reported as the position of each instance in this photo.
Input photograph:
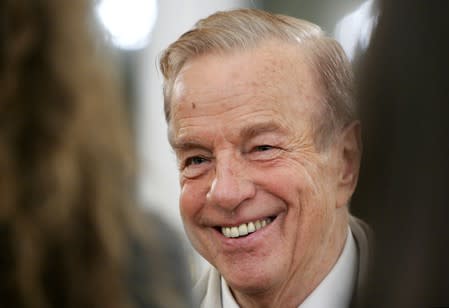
(227, 300)
(335, 290)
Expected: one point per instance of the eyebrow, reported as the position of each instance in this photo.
(247, 132)
(184, 143)
(254, 130)
(187, 145)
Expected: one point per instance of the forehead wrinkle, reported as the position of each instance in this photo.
(185, 114)
(264, 113)
(205, 94)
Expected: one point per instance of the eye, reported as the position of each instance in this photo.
(263, 148)
(194, 160)
(264, 152)
(195, 166)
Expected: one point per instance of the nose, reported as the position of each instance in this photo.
(231, 185)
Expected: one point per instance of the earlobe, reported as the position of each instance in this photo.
(350, 153)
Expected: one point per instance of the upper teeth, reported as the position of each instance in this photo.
(245, 229)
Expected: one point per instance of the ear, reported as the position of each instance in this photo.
(349, 153)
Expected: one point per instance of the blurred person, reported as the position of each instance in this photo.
(71, 234)
(403, 190)
(262, 119)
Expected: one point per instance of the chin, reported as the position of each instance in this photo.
(250, 286)
(249, 279)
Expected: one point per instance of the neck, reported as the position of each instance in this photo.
(304, 279)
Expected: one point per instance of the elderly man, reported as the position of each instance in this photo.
(262, 119)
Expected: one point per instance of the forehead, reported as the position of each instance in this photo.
(273, 79)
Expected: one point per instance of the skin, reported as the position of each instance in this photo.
(241, 129)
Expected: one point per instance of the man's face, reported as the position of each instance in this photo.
(241, 127)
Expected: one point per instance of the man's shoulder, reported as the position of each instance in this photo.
(360, 227)
(200, 285)
(363, 236)
(207, 289)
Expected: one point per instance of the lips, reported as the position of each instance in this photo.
(245, 228)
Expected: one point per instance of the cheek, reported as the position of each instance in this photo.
(303, 189)
(288, 180)
(187, 203)
(192, 202)
(192, 199)
(311, 177)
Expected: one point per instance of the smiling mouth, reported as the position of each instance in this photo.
(246, 228)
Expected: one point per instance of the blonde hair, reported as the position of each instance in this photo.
(247, 28)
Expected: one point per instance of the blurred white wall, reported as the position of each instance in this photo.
(158, 183)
